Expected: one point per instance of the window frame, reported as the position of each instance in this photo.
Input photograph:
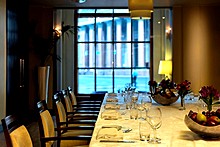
(150, 42)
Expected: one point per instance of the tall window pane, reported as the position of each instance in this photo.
(112, 51)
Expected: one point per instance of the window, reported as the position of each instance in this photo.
(113, 50)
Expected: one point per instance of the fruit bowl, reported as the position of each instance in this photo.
(164, 100)
(203, 131)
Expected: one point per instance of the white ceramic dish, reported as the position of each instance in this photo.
(204, 131)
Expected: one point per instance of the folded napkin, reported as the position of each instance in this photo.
(110, 115)
(111, 99)
(112, 94)
(110, 133)
(112, 106)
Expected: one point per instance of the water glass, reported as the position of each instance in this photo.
(141, 112)
(127, 100)
(146, 100)
(144, 130)
(133, 113)
(134, 97)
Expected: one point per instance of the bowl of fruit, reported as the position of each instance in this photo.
(205, 124)
(164, 93)
(165, 100)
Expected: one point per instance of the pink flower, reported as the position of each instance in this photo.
(183, 88)
(208, 94)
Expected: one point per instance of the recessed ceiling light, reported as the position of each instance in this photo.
(81, 1)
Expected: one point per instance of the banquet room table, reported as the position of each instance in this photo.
(173, 131)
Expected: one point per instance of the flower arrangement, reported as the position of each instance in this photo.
(208, 94)
(128, 88)
(183, 88)
(164, 92)
(165, 88)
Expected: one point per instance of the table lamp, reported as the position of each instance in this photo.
(165, 67)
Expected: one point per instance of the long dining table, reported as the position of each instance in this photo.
(173, 131)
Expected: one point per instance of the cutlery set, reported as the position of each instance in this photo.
(124, 130)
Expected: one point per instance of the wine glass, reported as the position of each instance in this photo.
(154, 118)
(146, 100)
(134, 97)
(127, 100)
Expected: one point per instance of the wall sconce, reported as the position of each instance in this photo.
(168, 32)
(140, 9)
(57, 31)
(165, 67)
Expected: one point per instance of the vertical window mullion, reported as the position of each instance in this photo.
(113, 48)
(95, 45)
(131, 47)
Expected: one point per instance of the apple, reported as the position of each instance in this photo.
(211, 122)
(193, 116)
(214, 119)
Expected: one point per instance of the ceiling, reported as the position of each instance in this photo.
(119, 3)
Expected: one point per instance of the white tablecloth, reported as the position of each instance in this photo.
(173, 132)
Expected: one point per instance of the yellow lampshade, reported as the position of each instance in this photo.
(165, 67)
(140, 5)
(140, 9)
(140, 14)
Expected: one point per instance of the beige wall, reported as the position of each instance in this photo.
(196, 36)
(162, 44)
(2, 58)
(68, 52)
(65, 49)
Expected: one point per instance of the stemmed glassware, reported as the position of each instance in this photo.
(127, 100)
(154, 118)
(146, 100)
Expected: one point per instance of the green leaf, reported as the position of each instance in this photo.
(216, 103)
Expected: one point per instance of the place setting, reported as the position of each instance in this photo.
(113, 133)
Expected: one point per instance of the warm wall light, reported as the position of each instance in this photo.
(57, 31)
(168, 32)
(165, 67)
(140, 8)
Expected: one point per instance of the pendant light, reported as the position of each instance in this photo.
(140, 9)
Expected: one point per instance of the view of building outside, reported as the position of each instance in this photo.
(112, 51)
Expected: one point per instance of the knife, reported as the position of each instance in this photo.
(118, 141)
(113, 126)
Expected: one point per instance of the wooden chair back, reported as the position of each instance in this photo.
(15, 133)
(46, 124)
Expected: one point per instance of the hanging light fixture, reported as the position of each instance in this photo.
(140, 9)
(80, 1)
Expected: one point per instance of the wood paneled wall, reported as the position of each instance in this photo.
(196, 49)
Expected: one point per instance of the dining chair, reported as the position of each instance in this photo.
(70, 118)
(79, 110)
(16, 134)
(62, 136)
(85, 101)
